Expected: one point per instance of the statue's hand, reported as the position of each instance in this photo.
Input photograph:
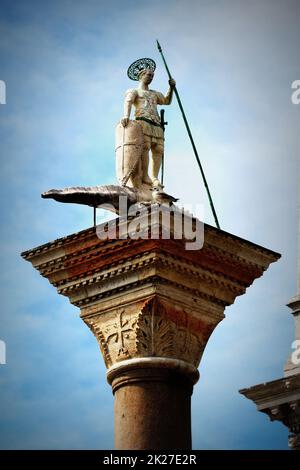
(172, 83)
(124, 121)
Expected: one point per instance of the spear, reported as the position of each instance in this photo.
(191, 139)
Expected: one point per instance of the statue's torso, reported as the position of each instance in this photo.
(145, 102)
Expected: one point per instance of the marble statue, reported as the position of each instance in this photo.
(145, 102)
(134, 141)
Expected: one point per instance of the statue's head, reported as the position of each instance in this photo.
(146, 76)
(142, 69)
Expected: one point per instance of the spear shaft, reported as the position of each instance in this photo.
(191, 139)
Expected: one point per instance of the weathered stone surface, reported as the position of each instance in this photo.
(152, 409)
(96, 196)
(109, 197)
(129, 149)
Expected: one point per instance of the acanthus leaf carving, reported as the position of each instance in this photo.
(154, 332)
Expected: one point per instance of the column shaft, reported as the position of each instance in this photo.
(152, 409)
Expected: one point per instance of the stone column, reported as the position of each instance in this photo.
(280, 399)
(153, 403)
(152, 306)
(292, 367)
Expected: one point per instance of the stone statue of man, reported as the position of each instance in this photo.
(145, 102)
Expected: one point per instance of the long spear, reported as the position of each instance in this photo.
(191, 139)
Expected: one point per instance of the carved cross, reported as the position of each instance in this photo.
(120, 333)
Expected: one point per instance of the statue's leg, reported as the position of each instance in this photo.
(145, 160)
(135, 179)
(157, 153)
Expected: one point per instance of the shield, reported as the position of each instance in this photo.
(129, 147)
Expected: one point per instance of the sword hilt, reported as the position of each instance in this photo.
(163, 123)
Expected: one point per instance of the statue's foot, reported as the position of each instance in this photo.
(147, 180)
(157, 184)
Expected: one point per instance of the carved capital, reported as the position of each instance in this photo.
(151, 328)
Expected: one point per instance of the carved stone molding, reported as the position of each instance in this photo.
(280, 400)
(294, 441)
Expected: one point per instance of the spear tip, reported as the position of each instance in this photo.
(158, 46)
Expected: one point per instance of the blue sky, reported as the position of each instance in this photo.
(64, 63)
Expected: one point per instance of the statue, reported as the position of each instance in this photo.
(134, 140)
(145, 102)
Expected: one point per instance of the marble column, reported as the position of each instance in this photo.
(152, 306)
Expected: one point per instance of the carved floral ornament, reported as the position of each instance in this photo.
(149, 329)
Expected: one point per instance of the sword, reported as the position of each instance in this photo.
(163, 124)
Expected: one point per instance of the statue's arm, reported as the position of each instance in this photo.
(169, 95)
(129, 100)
